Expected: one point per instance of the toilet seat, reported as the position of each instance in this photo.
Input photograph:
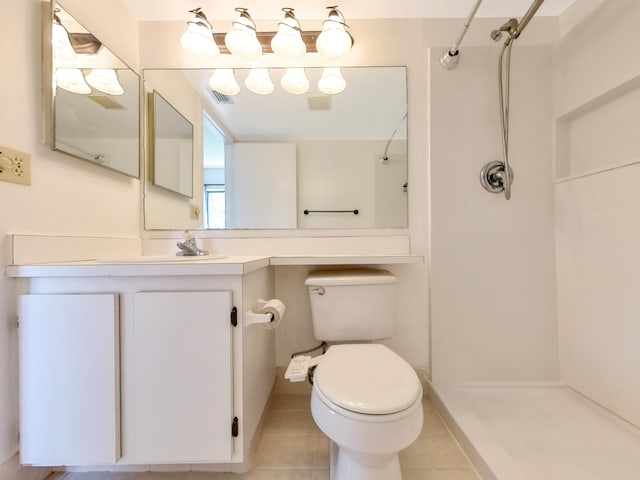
(367, 379)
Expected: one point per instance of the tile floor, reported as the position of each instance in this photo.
(293, 448)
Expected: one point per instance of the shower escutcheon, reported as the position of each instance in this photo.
(492, 177)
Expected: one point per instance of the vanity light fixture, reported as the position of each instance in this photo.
(295, 81)
(259, 81)
(72, 80)
(224, 81)
(287, 42)
(105, 80)
(242, 40)
(61, 43)
(198, 39)
(334, 42)
(331, 81)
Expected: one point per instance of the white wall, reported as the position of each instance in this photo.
(67, 196)
(261, 186)
(492, 260)
(348, 175)
(597, 207)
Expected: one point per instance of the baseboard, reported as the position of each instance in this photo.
(12, 470)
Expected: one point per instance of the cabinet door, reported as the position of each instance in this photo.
(69, 379)
(182, 377)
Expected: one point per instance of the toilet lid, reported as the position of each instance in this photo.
(367, 378)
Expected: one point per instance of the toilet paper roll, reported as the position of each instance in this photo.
(276, 308)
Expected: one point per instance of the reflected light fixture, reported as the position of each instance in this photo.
(242, 40)
(61, 42)
(71, 79)
(295, 81)
(287, 42)
(259, 81)
(224, 81)
(331, 81)
(198, 39)
(105, 80)
(334, 42)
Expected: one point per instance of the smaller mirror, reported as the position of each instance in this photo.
(93, 97)
(171, 147)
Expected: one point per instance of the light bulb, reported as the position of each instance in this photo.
(334, 42)
(295, 81)
(224, 81)
(105, 80)
(259, 81)
(71, 79)
(198, 39)
(242, 40)
(331, 81)
(287, 42)
(61, 44)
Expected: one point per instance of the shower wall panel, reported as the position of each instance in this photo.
(492, 265)
(597, 207)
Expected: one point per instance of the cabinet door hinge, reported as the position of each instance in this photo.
(234, 427)
(234, 316)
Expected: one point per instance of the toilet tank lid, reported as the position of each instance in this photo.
(350, 277)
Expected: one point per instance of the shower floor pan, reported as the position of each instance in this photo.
(538, 431)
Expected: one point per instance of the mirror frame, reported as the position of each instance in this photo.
(49, 103)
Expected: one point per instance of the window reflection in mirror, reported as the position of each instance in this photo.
(93, 97)
(213, 148)
(286, 154)
(171, 139)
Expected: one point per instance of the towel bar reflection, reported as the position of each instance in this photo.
(355, 212)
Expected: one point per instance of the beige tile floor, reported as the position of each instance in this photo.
(293, 448)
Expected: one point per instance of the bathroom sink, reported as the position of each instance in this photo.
(160, 259)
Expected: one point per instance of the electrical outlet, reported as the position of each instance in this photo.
(15, 166)
(194, 211)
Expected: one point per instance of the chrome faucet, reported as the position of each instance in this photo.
(188, 247)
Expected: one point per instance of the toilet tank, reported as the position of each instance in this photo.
(348, 305)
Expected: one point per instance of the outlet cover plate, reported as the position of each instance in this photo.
(15, 166)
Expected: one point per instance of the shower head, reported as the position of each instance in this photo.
(510, 26)
(515, 28)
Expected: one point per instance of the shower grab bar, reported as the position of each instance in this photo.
(449, 58)
(355, 211)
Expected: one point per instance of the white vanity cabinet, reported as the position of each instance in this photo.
(182, 385)
(69, 379)
(143, 364)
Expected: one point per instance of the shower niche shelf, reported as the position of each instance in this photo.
(584, 148)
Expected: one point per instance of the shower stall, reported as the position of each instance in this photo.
(534, 301)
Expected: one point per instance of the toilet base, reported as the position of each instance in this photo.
(350, 465)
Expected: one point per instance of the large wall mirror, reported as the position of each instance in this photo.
(93, 98)
(283, 160)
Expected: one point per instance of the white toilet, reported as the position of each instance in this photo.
(365, 398)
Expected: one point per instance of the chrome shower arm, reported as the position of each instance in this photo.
(524, 21)
(467, 23)
(450, 57)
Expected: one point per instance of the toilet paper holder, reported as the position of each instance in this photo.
(252, 318)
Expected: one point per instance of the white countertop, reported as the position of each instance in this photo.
(168, 266)
(233, 265)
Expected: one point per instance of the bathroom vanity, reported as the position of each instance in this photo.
(142, 363)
